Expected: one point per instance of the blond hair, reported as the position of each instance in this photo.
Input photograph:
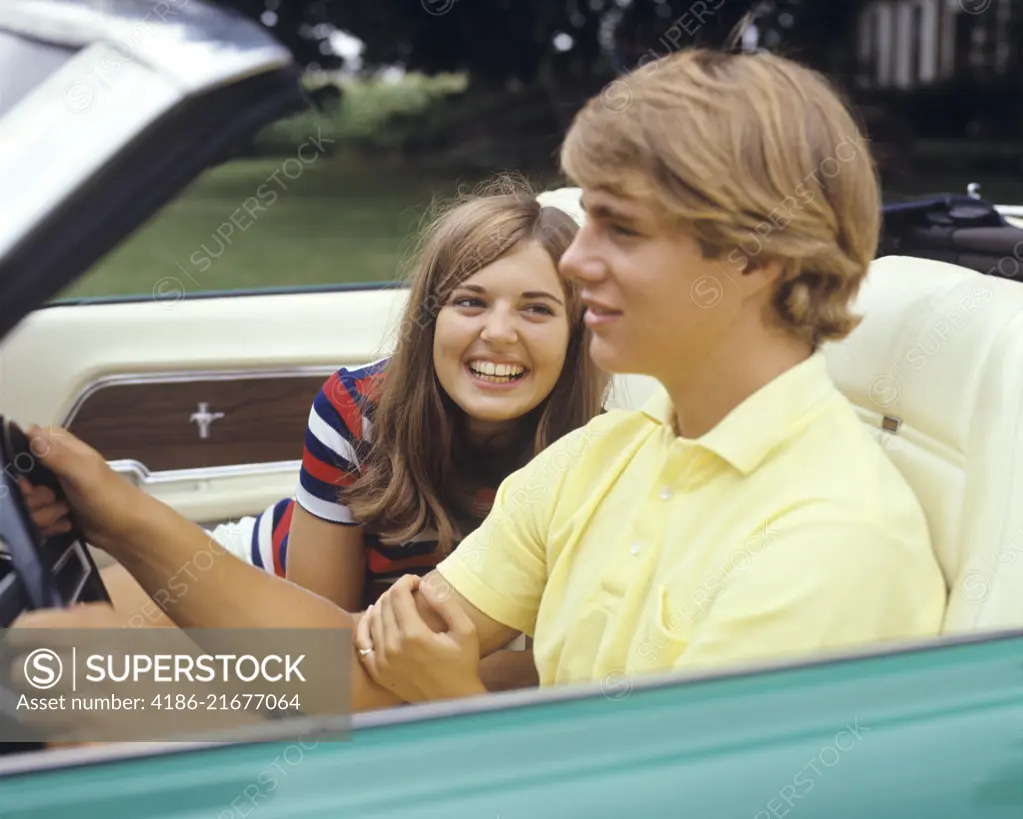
(757, 156)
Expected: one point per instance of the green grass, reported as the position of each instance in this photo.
(340, 221)
(344, 220)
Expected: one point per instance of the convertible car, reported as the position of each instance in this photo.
(200, 401)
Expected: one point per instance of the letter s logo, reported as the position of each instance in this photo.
(43, 668)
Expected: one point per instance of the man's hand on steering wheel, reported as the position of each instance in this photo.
(48, 514)
(101, 499)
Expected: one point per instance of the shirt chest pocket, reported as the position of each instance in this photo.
(667, 629)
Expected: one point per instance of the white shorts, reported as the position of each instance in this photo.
(236, 537)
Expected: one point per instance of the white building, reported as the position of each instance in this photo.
(912, 43)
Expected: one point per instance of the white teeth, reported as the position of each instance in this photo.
(490, 368)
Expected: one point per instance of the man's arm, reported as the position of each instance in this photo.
(508, 670)
(424, 641)
(159, 548)
(230, 593)
(500, 567)
(493, 635)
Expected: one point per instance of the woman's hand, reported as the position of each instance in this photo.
(403, 654)
(48, 514)
(102, 501)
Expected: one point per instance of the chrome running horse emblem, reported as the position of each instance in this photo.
(204, 418)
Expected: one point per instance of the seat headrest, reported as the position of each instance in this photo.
(936, 368)
(566, 199)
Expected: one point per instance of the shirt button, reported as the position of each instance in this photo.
(665, 493)
(635, 546)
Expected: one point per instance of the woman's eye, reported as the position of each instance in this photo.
(468, 301)
(542, 309)
(618, 230)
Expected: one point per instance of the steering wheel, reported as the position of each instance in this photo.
(37, 572)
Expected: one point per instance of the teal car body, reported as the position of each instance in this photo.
(932, 731)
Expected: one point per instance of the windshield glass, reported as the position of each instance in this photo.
(24, 64)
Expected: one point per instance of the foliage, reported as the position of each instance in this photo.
(363, 118)
(497, 41)
(525, 66)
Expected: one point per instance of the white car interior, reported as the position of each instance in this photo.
(935, 368)
(61, 353)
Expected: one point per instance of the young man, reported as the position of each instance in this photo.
(743, 513)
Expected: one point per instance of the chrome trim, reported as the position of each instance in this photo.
(7, 581)
(78, 550)
(140, 475)
(140, 60)
(185, 376)
(204, 418)
(193, 45)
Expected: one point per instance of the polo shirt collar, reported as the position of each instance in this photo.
(764, 421)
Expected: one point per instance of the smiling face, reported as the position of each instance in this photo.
(501, 339)
(653, 301)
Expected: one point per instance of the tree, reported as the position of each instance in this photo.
(298, 24)
(497, 41)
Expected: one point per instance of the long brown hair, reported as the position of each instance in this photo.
(420, 472)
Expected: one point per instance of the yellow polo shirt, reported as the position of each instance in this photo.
(623, 548)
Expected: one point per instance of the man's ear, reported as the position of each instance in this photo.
(763, 272)
(752, 274)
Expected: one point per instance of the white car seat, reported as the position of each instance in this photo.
(567, 199)
(936, 367)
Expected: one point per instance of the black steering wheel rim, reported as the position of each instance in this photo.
(41, 572)
(36, 572)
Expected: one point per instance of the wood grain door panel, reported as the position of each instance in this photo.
(198, 421)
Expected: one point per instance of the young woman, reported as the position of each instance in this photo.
(403, 456)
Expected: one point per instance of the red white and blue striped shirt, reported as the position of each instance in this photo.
(337, 441)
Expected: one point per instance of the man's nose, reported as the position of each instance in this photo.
(578, 262)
